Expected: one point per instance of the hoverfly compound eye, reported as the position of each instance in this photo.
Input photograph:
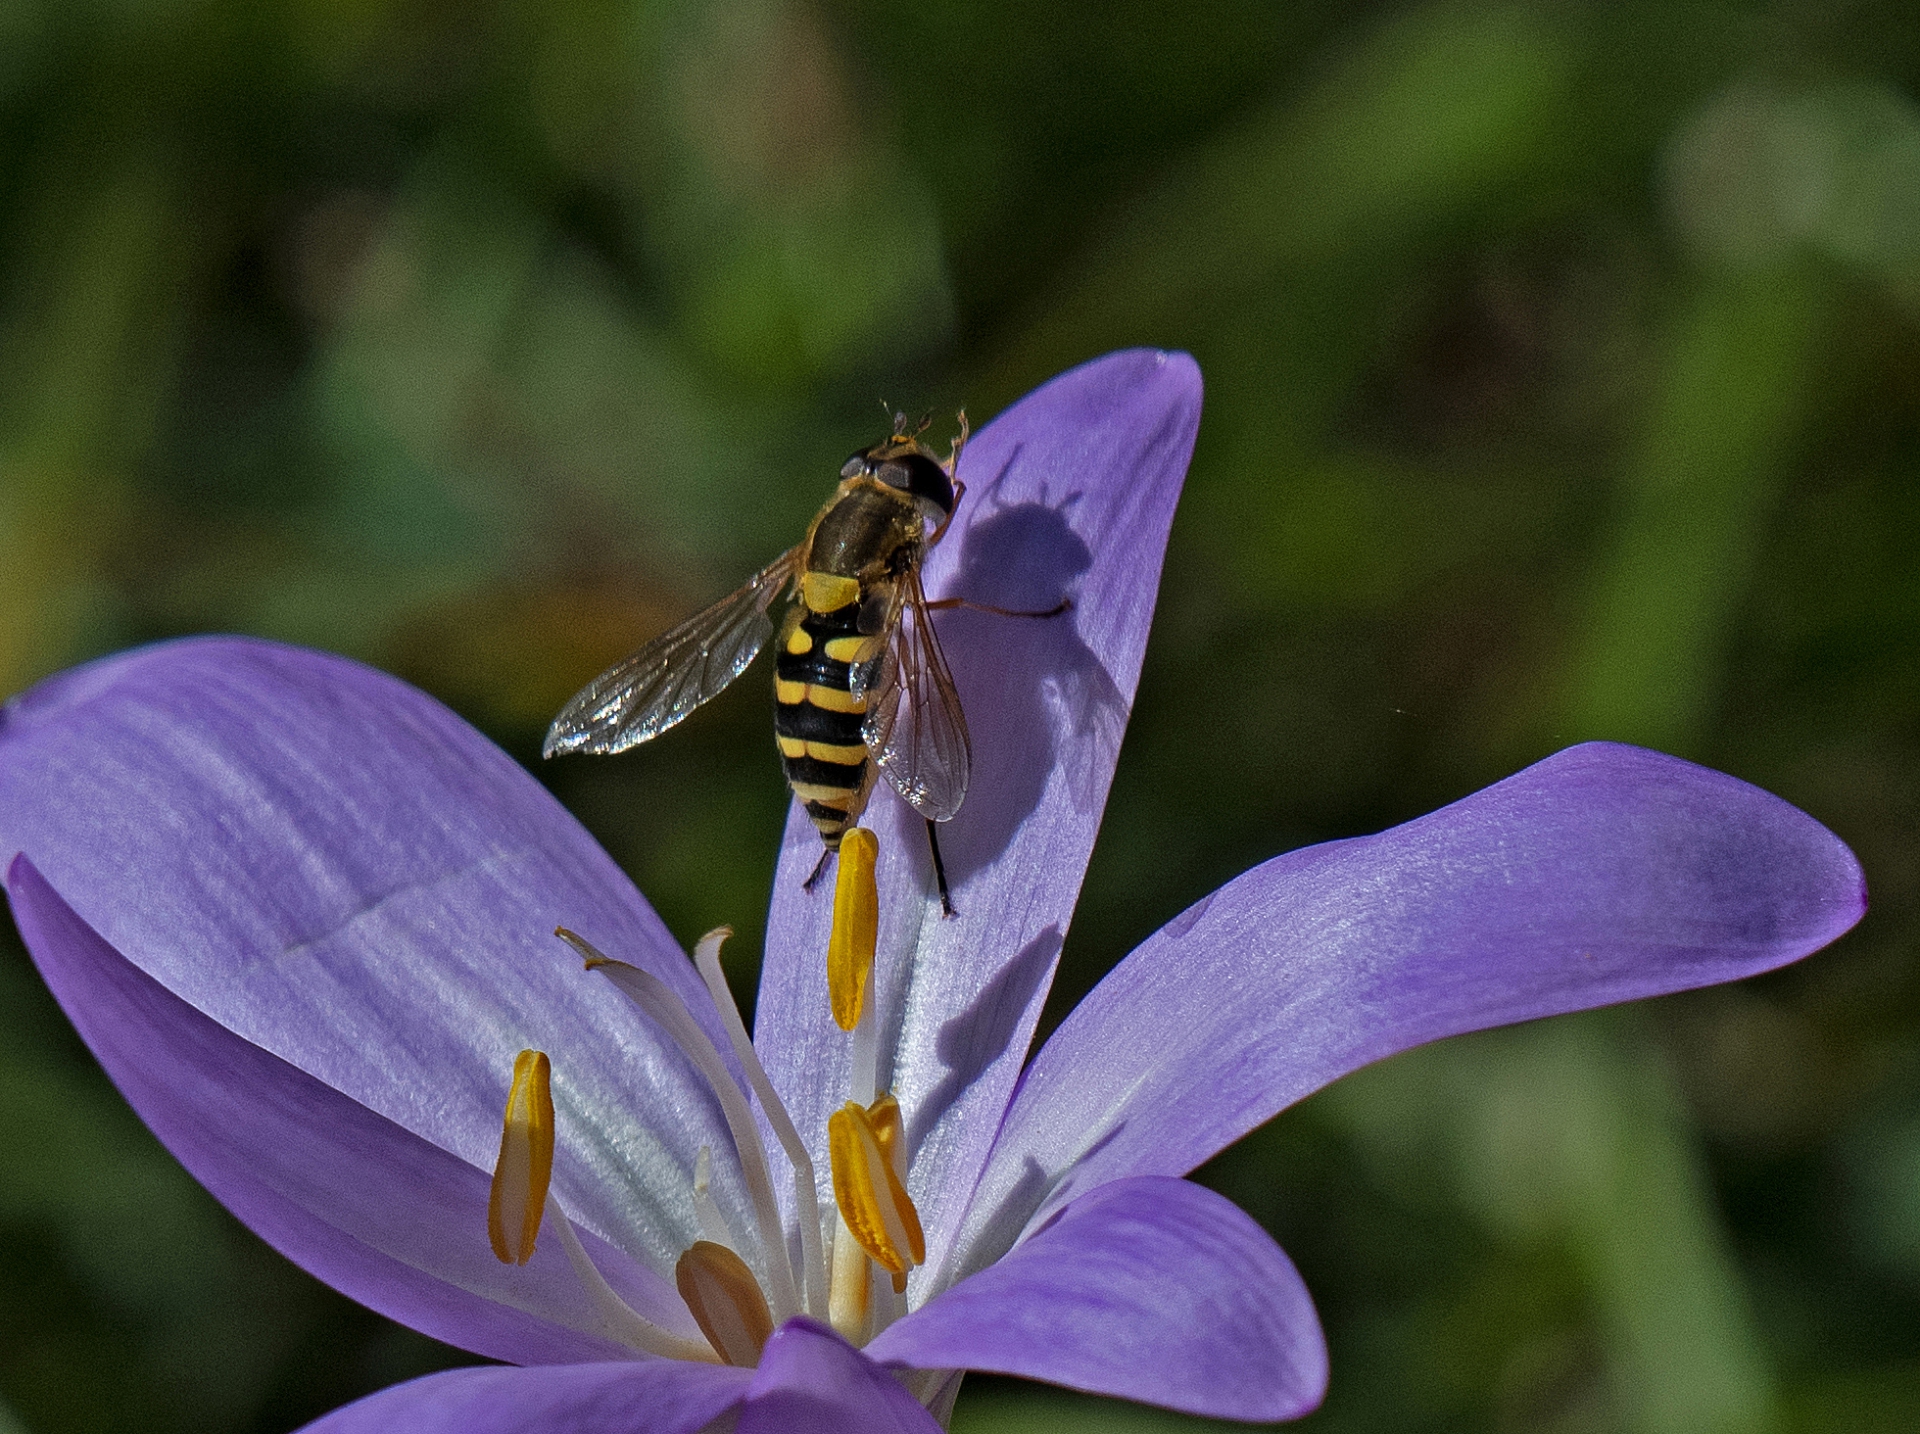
(919, 475)
(855, 465)
(926, 480)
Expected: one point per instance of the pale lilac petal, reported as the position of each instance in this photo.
(368, 1207)
(1603, 874)
(1070, 493)
(336, 868)
(811, 1381)
(661, 1397)
(1150, 1289)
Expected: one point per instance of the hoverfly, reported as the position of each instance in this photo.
(860, 685)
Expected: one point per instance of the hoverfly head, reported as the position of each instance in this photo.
(903, 462)
(914, 470)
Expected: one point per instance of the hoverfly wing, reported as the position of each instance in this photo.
(872, 677)
(915, 728)
(637, 699)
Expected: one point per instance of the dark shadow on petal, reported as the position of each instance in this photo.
(1188, 919)
(975, 1038)
(999, 1231)
(1034, 692)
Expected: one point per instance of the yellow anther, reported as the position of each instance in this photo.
(526, 1160)
(856, 926)
(725, 1301)
(873, 1200)
(889, 1132)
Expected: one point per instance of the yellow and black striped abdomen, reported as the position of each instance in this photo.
(816, 717)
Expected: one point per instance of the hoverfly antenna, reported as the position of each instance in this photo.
(926, 422)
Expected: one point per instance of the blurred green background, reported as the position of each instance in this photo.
(1563, 370)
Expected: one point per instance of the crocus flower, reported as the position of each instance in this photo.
(302, 914)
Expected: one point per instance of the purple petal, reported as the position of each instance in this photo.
(337, 869)
(811, 1381)
(1603, 874)
(662, 1397)
(1070, 493)
(375, 1211)
(1150, 1289)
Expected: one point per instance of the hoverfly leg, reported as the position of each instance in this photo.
(819, 869)
(959, 492)
(939, 869)
(1064, 605)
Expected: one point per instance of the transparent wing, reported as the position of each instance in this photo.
(914, 726)
(881, 616)
(636, 700)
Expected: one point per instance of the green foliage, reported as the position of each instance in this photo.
(1560, 384)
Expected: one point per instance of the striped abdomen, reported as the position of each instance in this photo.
(816, 717)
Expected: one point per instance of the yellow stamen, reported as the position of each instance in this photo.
(873, 1201)
(725, 1301)
(525, 1166)
(889, 1133)
(856, 926)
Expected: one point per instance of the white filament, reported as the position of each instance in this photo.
(621, 1322)
(713, 1225)
(657, 999)
(706, 956)
(865, 1075)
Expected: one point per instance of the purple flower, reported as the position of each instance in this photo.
(302, 914)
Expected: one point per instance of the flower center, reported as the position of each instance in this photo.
(875, 1239)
